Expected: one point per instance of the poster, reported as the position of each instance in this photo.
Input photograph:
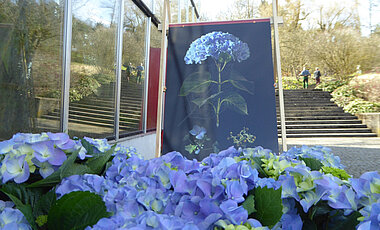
(219, 88)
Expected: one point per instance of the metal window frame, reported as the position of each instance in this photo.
(119, 52)
(179, 19)
(66, 64)
(148, 12)
(195, 9)
(187, 10)
(146, 81)
(278, 73)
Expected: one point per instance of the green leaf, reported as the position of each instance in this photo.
(75, 169)
(309, 225)
(249, 204)
(268, 204)
(257, 165)
(313, 164)
(89, 147)
(342, 222)
(240, 82)
(237, 102)
(197, 82)
(43, 205)
(56, 176)
(201, 101)
(22, 193)
(321, 208)
(97, 164)
(190, 148)
(26, 209)
(76, 210)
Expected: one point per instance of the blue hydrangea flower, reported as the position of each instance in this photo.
(236, 214)
(15, 168)
(45, 151)
(86, 182)
(371, 216)
(101, 145)
(221, 46)
(5, 204)
(13, 219)
(198, 132)
(321, 153)
(6, 146)
(61, 140)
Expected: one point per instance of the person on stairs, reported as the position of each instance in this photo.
(317, 76)
(140, 70)
(129, 71)
(305, 73)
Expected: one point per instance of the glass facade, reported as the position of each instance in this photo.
(78, 67)
(133, 69)
(30, 66)
(92, 72)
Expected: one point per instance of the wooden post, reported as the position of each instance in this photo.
(162, 75)
(277, 63)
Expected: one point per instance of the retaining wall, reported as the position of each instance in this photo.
(372, 120)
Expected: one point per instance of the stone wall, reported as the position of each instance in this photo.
(372, 120)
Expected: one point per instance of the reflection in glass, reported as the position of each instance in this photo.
(92, 83)
(154, 74)
(133, 74)
(30, 66)
(149, 3)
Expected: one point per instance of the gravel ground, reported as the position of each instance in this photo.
(359, 155)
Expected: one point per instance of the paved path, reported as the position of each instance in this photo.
(359, 155)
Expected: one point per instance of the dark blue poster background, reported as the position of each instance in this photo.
(219, 84)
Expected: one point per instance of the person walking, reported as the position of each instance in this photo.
(140, 69)
(129, 71)
(317, 76)
(305, 73)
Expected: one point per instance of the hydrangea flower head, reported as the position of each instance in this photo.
(222, 47)
(198, 132)
(15, 168)
(101, 145)
(13, 219)
(46, 151)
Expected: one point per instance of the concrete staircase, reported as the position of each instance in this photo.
(311, 113)
(98, 110)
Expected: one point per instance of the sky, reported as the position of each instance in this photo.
(212, 8)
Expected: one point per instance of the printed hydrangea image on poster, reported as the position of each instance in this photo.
(219, 88)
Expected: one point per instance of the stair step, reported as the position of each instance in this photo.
(307, 109)
(338, 130)
(315, 114)
(109, 111)
(104, 103)
(316, 135)
(312, 113)
(124, 108)
(94, 123)
(98, 120)
(321, 122)
(340, 117)
(324, 126)
(110, 116)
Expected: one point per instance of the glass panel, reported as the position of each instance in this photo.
(158, 8)
(132, 80)
(154, 75)
(92, 84)
(148, 3)
(30, 66)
